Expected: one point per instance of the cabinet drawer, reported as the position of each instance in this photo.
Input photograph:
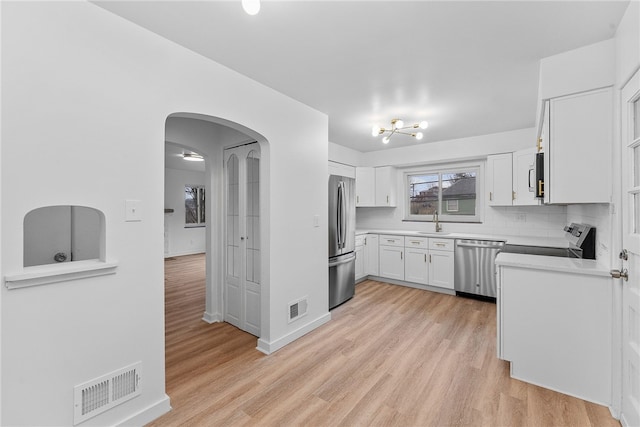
(391, 240)
(360, 240)
(441, 244)
(416, 242)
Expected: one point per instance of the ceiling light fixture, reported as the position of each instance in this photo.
(192, 157)
(397, 126)
(252, 7)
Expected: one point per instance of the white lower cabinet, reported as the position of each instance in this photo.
(416, 266)
(360, 255)
(371, 264)
(441, 269)
(392, 262)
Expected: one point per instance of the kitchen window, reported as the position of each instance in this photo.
(449, 192)
(194, 206)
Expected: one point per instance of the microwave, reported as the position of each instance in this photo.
(539, 187)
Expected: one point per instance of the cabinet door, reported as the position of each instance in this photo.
(392, 262)
(386, 184)
(441, 269)
(359, 262)
(365, 187)
(499, 179)
(524, 177)
(371, 265)
(416, 266)
(580, 144)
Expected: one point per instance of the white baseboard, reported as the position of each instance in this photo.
(212, 317)
(174, 254)
(148, 414)
(270, 347)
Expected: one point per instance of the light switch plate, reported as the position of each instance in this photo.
(316, 220)
(133, 210)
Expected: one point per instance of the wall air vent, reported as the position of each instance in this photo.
(100, 394)
(297, 309)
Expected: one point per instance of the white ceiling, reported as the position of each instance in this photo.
(173, 158)
(469, 68)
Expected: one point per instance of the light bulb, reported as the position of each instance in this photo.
(375, 131)
(399, 123)
(385, 140)
(252, 7)
(424, 124)
(419, 136)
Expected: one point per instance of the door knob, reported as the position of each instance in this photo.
(617, 274)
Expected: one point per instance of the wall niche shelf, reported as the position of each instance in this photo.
(48, 274)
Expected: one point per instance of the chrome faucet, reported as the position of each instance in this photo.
(435, 219)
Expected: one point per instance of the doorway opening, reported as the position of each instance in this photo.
(209, 137)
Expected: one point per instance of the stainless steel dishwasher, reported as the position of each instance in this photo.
(475, 268)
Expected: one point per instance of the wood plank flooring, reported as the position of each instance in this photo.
(391, 356)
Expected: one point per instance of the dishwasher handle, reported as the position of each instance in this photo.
(463, 244)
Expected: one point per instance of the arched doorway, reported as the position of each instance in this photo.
(210, 136)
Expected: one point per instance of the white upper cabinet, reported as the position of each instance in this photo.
(524, 177)
(499, 180)
(578, 148)
(386, 185)
(365, 187)
(376, 186)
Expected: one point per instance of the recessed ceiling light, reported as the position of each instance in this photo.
(193, 157)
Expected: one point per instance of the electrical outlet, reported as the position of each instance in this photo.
(521, 217)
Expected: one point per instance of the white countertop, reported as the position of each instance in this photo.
(551, 242)
(566, 265)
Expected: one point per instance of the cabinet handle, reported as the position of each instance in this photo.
(415, 243)
(513, 195)
(440, 244)
(490, 196)
(429, 258)
(540, 184)
(365, 241)
(425, 257)
(539, 144)
(357, 199)
(400, 255)
(387, 199)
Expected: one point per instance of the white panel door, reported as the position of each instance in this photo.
(441, 269)
(416, 266)
(392, 262)
(499, 179)
(631, 240)
(242, 277)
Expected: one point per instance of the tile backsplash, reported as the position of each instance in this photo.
(541, 221)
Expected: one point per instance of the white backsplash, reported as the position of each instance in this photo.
(540, 221)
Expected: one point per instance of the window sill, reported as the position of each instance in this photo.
(48, 274)
(196, 226)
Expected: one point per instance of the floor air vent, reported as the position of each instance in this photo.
(297, 309)
(100, 394)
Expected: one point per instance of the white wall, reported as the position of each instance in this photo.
(344, 155)
(82, 89)
(452, 150)
(522, 220)
(182, 240)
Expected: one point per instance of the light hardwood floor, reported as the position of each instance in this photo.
(392, 356)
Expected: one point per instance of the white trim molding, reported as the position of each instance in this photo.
(47, 274)
(270, 347)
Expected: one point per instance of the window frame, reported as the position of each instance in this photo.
(442, 169)
(201, 197)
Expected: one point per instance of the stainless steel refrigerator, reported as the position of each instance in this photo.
(342, 239)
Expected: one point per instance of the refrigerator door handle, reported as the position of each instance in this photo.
(343, 212)
(339, 214)
(342, 261)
